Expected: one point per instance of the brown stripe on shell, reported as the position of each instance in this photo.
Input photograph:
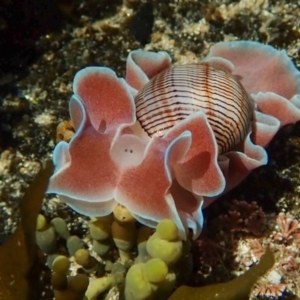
(177, 92)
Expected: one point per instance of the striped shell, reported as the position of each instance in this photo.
(177, 92)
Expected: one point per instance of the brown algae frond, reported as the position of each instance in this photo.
(238, 288)
(22, 244)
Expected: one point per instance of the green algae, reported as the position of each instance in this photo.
(165, 243)
(18, 253)
(238, 288)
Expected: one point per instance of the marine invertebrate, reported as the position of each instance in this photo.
(276, 99)
(193, 161)
(125, 167)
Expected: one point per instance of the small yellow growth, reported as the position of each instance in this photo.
(60, 227)
(71, 288)
(136, 287)
(41, 223)
(101, 247)
(144, 233)
(98, 286)
(75, 290)
(61, 264)
(165, 243)
(64, 131)
(83, 258)
(124, 236)
(45, 235)
(145, 281)
(155, 270)
(167, 230)
(122, 214)
(100, 227)
(74, 243)
(100, 232)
